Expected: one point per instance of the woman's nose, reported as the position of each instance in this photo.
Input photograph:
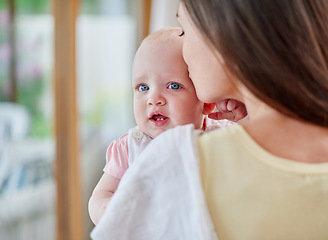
(156, 100)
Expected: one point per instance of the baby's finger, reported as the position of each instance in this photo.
(222, 105)
(240, 112)
(222, 115)
(232, 104)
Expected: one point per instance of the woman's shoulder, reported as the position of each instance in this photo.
(230, 131)
(225, 141)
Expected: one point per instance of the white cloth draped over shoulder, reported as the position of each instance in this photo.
(160, 196)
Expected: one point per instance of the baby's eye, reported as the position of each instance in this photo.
(181, 34)
(174, 86)
(143, 88)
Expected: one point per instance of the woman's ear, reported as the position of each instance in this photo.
(208, 108)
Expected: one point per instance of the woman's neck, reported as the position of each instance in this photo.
(284, 136)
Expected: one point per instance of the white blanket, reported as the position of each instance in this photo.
(160, 196)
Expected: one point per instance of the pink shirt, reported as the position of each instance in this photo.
(121, 153)
(117, 157)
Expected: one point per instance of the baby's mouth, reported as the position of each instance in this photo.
(158, 117)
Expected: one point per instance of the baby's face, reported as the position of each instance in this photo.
(164, 95)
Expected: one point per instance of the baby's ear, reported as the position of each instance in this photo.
(208, 108)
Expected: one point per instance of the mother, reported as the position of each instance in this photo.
(266, 178)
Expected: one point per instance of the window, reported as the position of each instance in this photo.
(27, 150)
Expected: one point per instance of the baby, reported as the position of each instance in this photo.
(164, 97)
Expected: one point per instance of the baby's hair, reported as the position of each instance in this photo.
(164, 35)
(166, 38)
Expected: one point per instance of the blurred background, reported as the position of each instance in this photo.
(108, 33)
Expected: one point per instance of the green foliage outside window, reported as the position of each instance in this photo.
(30, 78)
(28, 6)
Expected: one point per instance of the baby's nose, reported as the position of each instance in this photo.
(157, 101)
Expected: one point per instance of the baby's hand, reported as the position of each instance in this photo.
(230, 109)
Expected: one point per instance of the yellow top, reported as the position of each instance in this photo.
(252, 194)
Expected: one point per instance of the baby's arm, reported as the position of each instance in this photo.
(101, 195)
(116, 165)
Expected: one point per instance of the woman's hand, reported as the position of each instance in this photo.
(230, 109)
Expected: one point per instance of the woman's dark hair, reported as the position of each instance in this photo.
(277, 48)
